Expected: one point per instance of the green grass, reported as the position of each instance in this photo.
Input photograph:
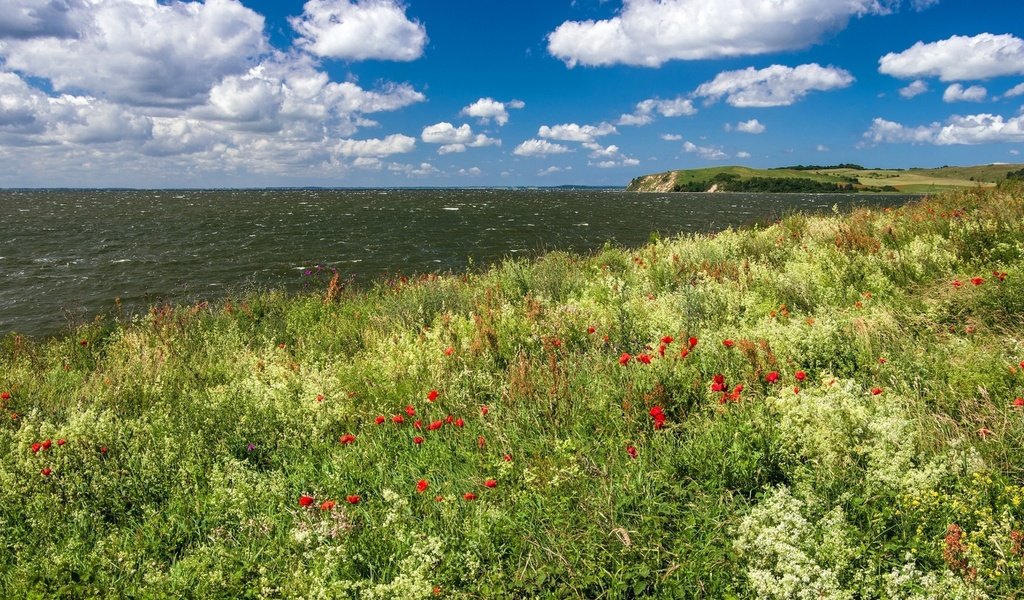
(191, 434)
(904, 180)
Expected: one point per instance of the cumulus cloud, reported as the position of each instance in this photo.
(959, 58)
(671, 137)
(472, 171)
(1017, 90)
(776, 85)
(143, 53)
(742, 154)
(644, 112)
(359, 30)
(392, 144)
(571, 132)
(486, 109)
(424, 169)
(38, 18)
(536, 147)
(957, 93)
(607, 157)
(752, 126)
(455, 139)
(916, 88)
(552, 170)
(705, 152)
(957, 130)
(651, 32)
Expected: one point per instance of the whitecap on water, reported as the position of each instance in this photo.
(449, 208)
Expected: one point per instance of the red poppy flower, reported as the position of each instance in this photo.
(984, 432)
(728, 343)
(1000, 275)
(693, 342)
(85, 343)
(348, 438)
(327, 504)
(631, 451)
(1018, 401)
(409, 410)
(36, 446)
(47, 443)
(432, 395)
(507, 458)
(772, 377)
(661, 350)
(449, 419)
(417, 440)
(305, 500)
(352, 499)
(448, 351)
(5, 395)
(103, 449)
(644, 358)
(800, 375)
(957, 283)
(435, 425)
(421, 486)
(484, 410)
(684, 353)
(491, 483)
(557, 343)
(718, 383)
(469, 496)
(667, 339)
(459, 422)
(380, 419)
(398, 419)
(46, 472)
(977, 280)
(61, 442)
(624, 358)
(319, 397)
(480, 442)
(591, 329)
(738, 388)
(876, 391)
(796, 390)
(882, 360)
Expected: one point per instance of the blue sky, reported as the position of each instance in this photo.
(143, 93)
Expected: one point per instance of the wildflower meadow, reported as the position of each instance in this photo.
(822, 407)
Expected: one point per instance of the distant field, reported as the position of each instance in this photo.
(867, 180)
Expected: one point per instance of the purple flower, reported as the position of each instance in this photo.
(250, 446)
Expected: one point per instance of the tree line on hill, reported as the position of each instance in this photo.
(728, 182)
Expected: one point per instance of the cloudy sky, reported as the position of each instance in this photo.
(147, 93)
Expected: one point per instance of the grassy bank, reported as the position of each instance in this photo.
(842, 424)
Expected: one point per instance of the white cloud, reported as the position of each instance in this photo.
(487, 109)
(957, 93)
(957, 130)
(705, 152)
(671, 137)
(776, 85)
(742, 154)
(36, 18)
(392, 144)
(421, 170)
(822, 148)
(651, 32)
(472, 171)
(359, 30)
(552, 170)
(455, 139)
(752, 126)
(644, 111)
(608, 157)
(915, 88)
(571, 132)
(959, 58)
(140, 52)
(1017, 90)
(539, 148)
(1015, 152)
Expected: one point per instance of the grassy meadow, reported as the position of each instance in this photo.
(826, 407)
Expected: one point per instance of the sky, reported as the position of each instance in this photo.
(390, 93)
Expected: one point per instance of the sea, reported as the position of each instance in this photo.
(67, 256)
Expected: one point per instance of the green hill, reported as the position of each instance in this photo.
(840, 178)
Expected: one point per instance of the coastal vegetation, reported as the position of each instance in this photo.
(825, 179)
(823, 407)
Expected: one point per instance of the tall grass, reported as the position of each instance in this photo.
(873, 450)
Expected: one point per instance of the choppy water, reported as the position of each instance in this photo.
(65, 255)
